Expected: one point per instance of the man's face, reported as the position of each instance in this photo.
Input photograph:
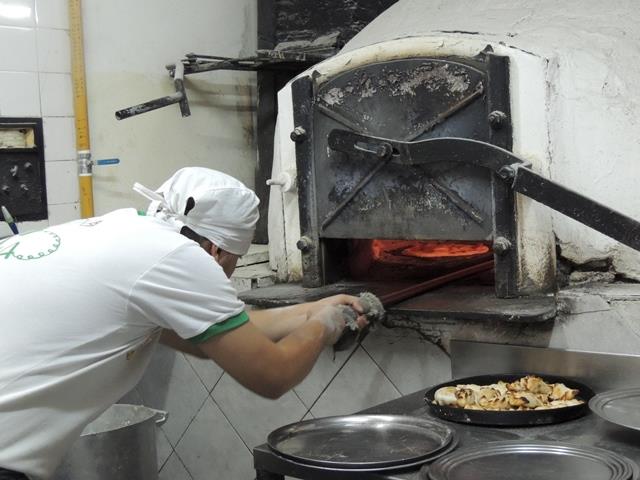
(226, 260)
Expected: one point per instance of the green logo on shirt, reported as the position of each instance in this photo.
(30, 246)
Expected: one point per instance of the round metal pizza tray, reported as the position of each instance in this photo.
(363, 442)
(511, 418)
(621, 407)
(531, 460)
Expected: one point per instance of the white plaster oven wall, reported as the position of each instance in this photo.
(127, 45)
(574, 103)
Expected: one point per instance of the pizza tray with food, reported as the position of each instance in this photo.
(510, 400)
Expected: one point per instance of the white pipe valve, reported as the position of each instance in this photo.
(286, 180)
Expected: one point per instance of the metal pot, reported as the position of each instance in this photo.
(118, 445)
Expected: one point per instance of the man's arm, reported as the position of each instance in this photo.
(277, 323)
(268, 368)
(173, 340)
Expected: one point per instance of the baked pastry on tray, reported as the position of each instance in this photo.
(527, 393)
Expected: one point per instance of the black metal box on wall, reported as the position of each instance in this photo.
(22, 170)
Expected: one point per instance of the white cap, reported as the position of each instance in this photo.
(225, 210)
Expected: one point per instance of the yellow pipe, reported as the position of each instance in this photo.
(83, 144)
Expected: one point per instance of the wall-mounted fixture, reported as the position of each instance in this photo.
(23, 188)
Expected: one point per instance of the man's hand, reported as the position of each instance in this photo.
(335, 300)
(332, 317)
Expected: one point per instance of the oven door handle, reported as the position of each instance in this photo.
(510, 168)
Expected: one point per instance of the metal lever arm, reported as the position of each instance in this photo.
(508, 166)
(179, 97)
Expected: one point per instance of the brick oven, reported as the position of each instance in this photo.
(415, 157)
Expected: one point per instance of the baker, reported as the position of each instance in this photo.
(84, 304)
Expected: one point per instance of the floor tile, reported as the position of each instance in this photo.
(410, 362)
(252, 416)
(359, 385)
(212, 449)
(173, 469)
(171, 384)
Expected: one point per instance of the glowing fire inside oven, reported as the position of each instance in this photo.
(426, 249)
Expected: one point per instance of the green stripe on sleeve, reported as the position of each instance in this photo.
(218, 328)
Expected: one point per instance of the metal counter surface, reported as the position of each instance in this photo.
(589, 430)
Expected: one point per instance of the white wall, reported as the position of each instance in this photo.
(35, 81)
(127, 45)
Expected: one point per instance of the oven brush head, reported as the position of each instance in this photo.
(373, 311)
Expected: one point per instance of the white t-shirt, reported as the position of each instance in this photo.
(81, 309)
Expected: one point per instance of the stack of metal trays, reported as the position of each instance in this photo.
(621, 407)
(363, 443)
(531, 460)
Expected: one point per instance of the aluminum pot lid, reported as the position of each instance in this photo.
(621, 407)
(362, 441)
(532, 460)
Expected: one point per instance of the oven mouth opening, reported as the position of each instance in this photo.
(382, 259)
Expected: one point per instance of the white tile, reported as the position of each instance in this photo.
(173, 469)
(171, 384)
(20, 13)
(323, 371)
(359, 385)
(63, 213)
(56, 95)
(5, 231)
(163, 448)
(410, 362)
(59, 138)
(252, 416)
(62, 182)
(18, 49)
(52, 13)
(208, 371)
(212, 449)
(19, 94)
(54, 50)
(28, 227)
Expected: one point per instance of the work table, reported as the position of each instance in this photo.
(589, 430)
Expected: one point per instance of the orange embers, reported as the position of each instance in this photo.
(412, 259)
(426, 249)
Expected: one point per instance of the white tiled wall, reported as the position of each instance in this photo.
(35, 81)
(214, 423)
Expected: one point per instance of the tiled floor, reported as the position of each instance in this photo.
(214, 422)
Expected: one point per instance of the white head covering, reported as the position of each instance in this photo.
(225, 210)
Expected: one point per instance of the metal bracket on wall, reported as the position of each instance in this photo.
(275, 60)
(179, 97)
